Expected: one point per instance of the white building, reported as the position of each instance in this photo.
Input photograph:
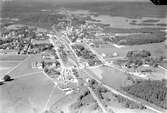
(37, 65)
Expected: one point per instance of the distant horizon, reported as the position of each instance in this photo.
(77, 1)
(66, 2)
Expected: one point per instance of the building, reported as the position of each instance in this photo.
(37, 65)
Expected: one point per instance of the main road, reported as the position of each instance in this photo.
(116, 91)
(97, 100)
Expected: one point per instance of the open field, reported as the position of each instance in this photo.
(110, 76)
(27, 94)
(12, 57)
(114, 78)
(132, 30)
(41, 41)
(5, 66)
(137, 36)
(24, 67)
(93, 73)
(8, 64)
(55, 96)
(3, 71)
(157, 49)
(98, 72)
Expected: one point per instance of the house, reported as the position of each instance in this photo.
(37, 65)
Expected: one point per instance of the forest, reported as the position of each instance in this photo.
(152, 91)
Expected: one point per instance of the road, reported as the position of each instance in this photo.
(91, 91)
(116, 58)
(53, 41)
(128, 96)
(67, 43)
(165, 69)
(94, 52)
(120, 92)
(97, 100)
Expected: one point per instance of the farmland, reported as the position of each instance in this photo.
(12, 57)
(157, 49)
(30, 92)
(26, 65)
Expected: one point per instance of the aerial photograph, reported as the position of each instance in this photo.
(83, 56)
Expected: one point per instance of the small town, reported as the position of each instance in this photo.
(75, 64)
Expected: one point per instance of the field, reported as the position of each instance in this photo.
(12, 57)
(3, 71)
(8, 64)
(114, 78)
(132, 30)
(157, 49)
(26, 94)
(41, 41)
(109, 76)
(5, 66)
(55, 97)
(24, 67)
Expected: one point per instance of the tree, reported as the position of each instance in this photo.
(1, 83)
(7, 78)
(43, 64)
(153, 91)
